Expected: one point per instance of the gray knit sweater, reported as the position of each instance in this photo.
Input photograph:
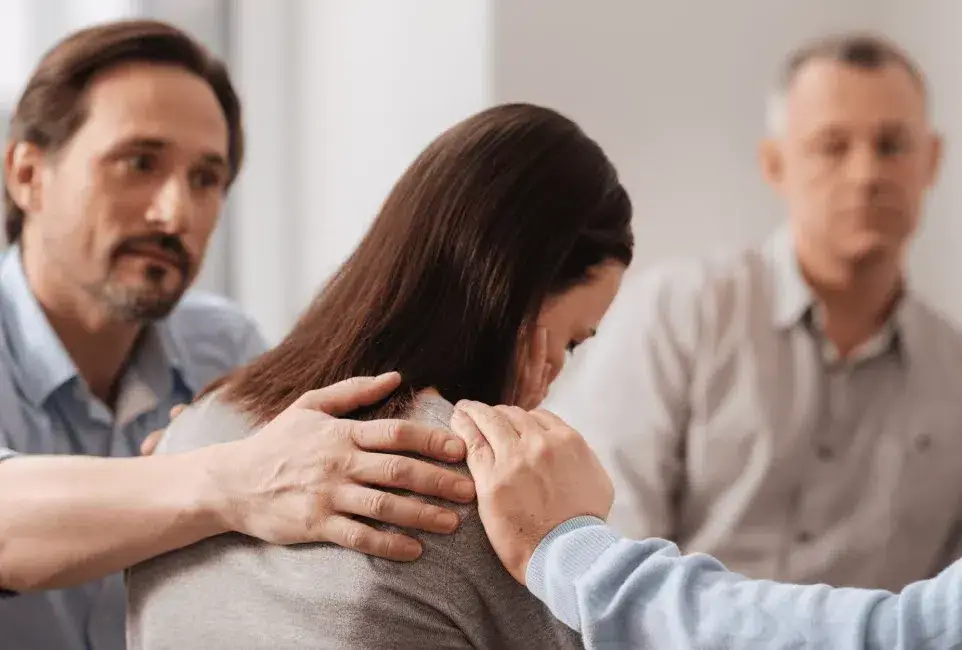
(236, 593)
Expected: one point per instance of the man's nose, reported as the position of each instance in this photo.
(171, 210)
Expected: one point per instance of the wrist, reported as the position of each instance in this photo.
(208, 502)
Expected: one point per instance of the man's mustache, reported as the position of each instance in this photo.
(168, 246)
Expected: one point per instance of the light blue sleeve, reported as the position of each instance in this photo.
(643, 594)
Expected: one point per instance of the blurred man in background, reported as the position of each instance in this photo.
(794, 409)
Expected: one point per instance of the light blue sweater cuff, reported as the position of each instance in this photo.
(563, 556)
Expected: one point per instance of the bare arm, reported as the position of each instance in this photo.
(68, 519)
(65, 520)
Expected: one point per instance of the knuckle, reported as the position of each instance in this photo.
(361, 435)
(571, 437)
(330, 464)
(353, 382)
(477, 446)
(358, 538)
(347, 463)
(436, 441)
(438, 482)
(425, 515)
(394, 432)
(541, 450)
(395, 469)
(378, 504)
(387, 546)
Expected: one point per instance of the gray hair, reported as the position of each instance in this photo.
(866, 51)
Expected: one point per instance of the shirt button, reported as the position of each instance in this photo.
(824, 452)
(804, 537)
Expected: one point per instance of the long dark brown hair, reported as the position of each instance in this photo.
(501, 211)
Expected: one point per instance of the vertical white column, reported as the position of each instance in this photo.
(340, 95)
(264, 261)
(379, 79)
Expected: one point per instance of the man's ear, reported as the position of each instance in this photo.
(771, 161)
(937, 151)
(22, 173)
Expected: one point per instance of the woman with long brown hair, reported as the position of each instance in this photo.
(497, 252)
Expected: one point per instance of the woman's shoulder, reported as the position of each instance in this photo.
(206, 422)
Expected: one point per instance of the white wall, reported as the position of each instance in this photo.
(369, 83)
(380, 79)
(673, 89)
(932, 32)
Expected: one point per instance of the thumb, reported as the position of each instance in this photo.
(149, 445)
(480, 457)
(349, 395)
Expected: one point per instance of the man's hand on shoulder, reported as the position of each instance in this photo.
(307, 475)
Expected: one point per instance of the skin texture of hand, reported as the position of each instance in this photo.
(532, 472)
(305, 475)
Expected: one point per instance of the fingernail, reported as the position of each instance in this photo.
(448, 521)
(412, 549)
(464, 489)
(454, 449)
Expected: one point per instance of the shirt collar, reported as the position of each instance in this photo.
(41, 362)
(793, 302)
(792, 297)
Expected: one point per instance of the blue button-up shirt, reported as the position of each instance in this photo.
(46, 408)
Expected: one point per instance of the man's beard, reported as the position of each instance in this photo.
(143, 302)
(147, 299)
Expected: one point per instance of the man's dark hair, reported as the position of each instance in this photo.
(52, 107)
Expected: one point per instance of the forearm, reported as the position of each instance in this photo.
(625, 594)
(68, 519)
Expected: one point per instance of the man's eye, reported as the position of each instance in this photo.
(891, 146)
(204, 179)
(833, 148)
(141, 162)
